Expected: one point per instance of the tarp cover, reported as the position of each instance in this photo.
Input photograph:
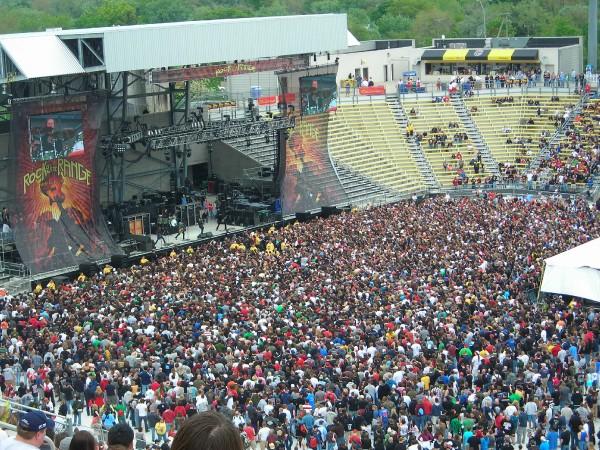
(575, 272)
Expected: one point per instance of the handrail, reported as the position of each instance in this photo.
(11, 427)
(30, 408)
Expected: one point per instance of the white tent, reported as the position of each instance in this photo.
(575, 272)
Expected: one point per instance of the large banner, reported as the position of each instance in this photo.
(57, 218)
(226, 70)
(310, 180)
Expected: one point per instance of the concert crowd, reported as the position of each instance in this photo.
(410, 326)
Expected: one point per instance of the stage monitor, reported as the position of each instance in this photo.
(56, 135)
(318, 94)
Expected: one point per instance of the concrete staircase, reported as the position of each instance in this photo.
(413, 144)
(490, 164)
(559, 134)
(256, 147)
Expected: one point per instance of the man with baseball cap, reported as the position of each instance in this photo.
(31, 431)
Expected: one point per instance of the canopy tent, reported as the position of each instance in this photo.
(575, 272)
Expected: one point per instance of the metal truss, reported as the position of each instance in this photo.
(224, 131)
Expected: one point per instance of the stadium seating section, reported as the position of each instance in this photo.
(434, 121)
(367, 139)
(573, 156)
(513, 129)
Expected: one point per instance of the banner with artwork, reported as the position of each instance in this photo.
(310, 180)
(56, 214)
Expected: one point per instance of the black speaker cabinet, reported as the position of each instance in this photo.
(119, 261)
(327, 211)
(88, 268)
(303, 216)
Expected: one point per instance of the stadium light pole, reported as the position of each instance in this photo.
(593, 35)
(484, 23)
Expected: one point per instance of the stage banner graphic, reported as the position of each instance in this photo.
(310, 180)
(57, 218)
(226, 70)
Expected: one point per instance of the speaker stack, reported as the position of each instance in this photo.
(119, 261)
(303, 216)
(327, 211)
(88, 268)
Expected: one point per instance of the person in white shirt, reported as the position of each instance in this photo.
(142, 409)
(201, 402)
(238, 419)
(262, 435)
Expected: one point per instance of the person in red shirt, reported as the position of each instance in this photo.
(169, 416)
(180, 414)
(250, 436)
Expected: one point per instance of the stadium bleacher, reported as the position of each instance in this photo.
(516, 127)
(576, 155)
(445, 159)
(367, 139)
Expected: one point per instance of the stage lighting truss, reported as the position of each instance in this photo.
(224, 130)
(194, 132)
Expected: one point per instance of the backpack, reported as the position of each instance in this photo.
(313, 442)
(302, 429)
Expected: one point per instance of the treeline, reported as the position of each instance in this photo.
(368, 19)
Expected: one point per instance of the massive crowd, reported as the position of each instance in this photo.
(576, 159)
(390, 328)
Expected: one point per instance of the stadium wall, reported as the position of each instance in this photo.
(397, 60)
(228, 164)
(570, 58)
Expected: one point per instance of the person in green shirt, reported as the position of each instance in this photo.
(456, 426)
(468, 423)
(120, 410)
(465, 352)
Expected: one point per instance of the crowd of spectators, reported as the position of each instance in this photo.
(577, 157)
(390, 328)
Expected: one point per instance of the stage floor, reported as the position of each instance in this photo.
(192, 234)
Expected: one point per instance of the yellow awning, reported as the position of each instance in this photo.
(456, 54)
(499, 54)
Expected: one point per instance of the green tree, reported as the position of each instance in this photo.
(394, 26)
(109, 13)
(429, 24)
(360, 25)
(220, 12)
(160, 11)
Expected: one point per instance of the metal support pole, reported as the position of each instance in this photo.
(109, 159)
(172, 121)
(186, 116)
(593, 35)
(484, 21)
(123, 119)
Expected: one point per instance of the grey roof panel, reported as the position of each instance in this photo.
(40, 55)
(145, 47)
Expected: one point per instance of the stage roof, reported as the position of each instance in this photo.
(144, 47)
(40, 56)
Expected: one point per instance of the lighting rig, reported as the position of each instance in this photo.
(191, 132)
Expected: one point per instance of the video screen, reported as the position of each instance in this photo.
(318, 94)
(56, 135)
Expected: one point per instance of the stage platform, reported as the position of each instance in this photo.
(192, 234)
